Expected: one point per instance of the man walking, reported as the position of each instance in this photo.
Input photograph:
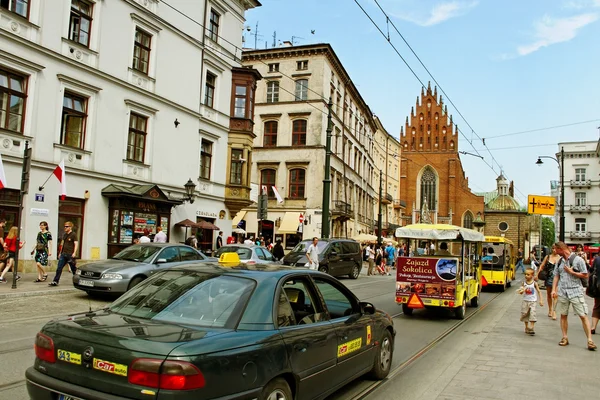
(520, 262)
(390, 253)
(68, 251)
(312, 253)
(567, 287)
(160, 236)
(219, 243)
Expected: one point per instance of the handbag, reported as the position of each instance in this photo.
(40, 247)
(543, 275)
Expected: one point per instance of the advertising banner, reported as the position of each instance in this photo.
(428, 277)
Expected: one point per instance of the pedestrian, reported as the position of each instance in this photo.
(531, 293)
(269, 245)
(382, 259)
(42, 250)
(278, 253)
(593, 290)
(160, 236)
(3, 252)
(370, 260)
(68, 252)
(401, 250)
(10, 244)
(219, 242)
(249, 241)
(582, 254)
(533, 260)
(520, 261)
(568, 289)
(390, 257)
(546, 273)
(312, 253)
(145, 238)
(192, 241)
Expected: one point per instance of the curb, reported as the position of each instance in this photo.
(16, 294)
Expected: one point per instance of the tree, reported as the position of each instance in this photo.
(548, 231)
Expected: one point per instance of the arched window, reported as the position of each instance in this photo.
(428, 187)
(270, 137)
(297, 183)
(468, 220)
(299, 132)
(267, 178)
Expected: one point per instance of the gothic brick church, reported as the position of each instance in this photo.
(432, 179)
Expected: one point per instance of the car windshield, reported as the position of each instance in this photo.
(245, 253)
(138, 252)
(188, 298)
(303, 246)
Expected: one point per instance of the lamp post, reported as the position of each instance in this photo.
(190, 187)
(561, 165)
(327, 179)
(379, 239)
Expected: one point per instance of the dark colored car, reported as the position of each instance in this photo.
(336, 256)
(205, 331)
(132, 265)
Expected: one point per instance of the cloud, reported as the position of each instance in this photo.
(439, 13)
(550, 31)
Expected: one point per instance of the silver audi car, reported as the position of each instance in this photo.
(132, 265)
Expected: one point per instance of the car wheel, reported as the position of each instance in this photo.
(475, 301)
(355, 272)
(406, 310)
(383, 358)
(277, 389)
(134, 282)
(462, 310)
(323, 268)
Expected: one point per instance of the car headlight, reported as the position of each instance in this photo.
(112, 276)
(78, 272)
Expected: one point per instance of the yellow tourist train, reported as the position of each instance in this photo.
(443, 268)
(498, 261)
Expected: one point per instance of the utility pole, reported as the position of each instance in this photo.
(379, 239)
(24, 190)
(327, 179)
(562, 195)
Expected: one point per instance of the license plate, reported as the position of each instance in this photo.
(66, 397)
(86, 282)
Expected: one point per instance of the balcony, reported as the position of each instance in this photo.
(341, 209)
(399, 204)
(580, 235)
(387, 199)
(581, 184)
(580, 209)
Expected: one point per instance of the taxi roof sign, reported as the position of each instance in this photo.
(229, 259)
(415, 301)
(543, 205)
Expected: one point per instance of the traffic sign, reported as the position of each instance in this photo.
(301, 218)
(544, 205)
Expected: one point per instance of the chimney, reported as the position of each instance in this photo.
(511, 189)
(287, 43)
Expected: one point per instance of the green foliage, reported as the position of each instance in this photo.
(548, 231)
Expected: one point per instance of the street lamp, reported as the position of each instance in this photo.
(561, 165)
(190, 187)
(379, 224)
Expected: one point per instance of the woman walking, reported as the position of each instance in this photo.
(43, 244)
(10, 244)
(548, 267)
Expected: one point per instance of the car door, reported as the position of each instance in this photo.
(336, 260)
(310, 339)
(356, 349)
(168, 257)
(187, 254)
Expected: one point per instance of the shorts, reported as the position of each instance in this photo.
(579, 306)
(528, 313)
(596, 311)
(389, 262)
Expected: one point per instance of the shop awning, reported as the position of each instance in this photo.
(202, 224)
(289, 223)
(187, 223)
(238, 217)
(151, 193)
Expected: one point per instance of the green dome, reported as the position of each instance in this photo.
(502, 203)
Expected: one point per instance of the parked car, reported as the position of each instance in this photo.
(336, 256)
(205, 331)
(249, 254)
(132, 265)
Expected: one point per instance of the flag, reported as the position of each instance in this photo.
(277, 195)
(59, 172)
(2, 176)
(263, 190)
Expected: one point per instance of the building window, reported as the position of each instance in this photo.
(428, 188)
(580, 174)
(20, 7)
(205, 159)
(141, 51)
(580, 225)
(136, 140)
(503, 226)
(299, 132)
(240, 102)
(302, 65)
(301, 89)
(74, 116)
(209, 89)
(80, 22)
(273, 92)
(235, 176)
(213, 25)
(297, 183)
(13, 89)
(270, 137)
(580, 199)
(274, 67)
(267, 178)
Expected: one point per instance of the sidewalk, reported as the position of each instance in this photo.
(490, 357)
(26, 287)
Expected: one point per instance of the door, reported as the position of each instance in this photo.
(356, 349)
(337, 264)
(169, 257)
(310, 339)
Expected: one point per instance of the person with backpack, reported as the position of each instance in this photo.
(567, 288)
(593, 290)
(390, 256)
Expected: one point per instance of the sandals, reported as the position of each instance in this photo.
(591, 346)
(38, 280)
(44, 277)
(564, 342)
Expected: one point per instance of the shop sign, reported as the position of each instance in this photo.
(146, 206)
(42, 212)
(206, 214)
(427, 277)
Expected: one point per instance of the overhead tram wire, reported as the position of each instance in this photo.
(543, 129)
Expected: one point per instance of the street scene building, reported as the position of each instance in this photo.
(136, 99)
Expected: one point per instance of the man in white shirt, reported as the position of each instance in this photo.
(312, 253)
(249, 241)
(145, 238)
(160, 236)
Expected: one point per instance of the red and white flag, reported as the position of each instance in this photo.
(59, 172)
(2, 176)
(277, 195)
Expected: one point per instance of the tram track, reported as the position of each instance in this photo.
(372, 387)
(12, 385)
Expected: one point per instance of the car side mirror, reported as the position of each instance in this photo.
(161, 261)
(367, 308)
